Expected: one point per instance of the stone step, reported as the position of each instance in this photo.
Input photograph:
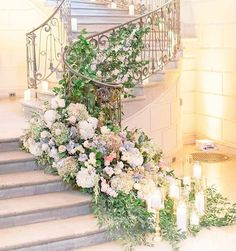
(80, 4)
(16, 161)
(95, 10)
(10, 144)
(99, 26)
(19, 184)
(64, 234)
(44, 207)
(102, 18)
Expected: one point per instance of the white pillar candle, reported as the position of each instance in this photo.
(200, 202)
(181, 216)
(131, 9)
(44, 86)
(197, 170)
(174, 191)
(27, 95)
(113, 5)
(186, 181)
(74, 24)
(194, 218)
(156, 199)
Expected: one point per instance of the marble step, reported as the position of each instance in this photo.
(43, 207)
(90, 9)
(10, 144)
(16, 161)
(20, 184)
(81, 4)
(64, 234)
(102, 18)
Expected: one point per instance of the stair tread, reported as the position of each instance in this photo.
(15, 156)
(45, 232)
(29, 204)
(20, 179)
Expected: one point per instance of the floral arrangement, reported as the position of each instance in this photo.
(135, 194)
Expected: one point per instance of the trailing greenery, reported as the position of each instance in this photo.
(126, 218)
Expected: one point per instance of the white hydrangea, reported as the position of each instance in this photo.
(36, 149)
(87, 177)
(57, 102)
(132, 156)
(123, 182)
(86, 130)
(92, 159)
(45, 147)
(78, 110)
(50, 116)
(93, 121)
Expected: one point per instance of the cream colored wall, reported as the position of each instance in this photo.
(213, 23)
(16, 18)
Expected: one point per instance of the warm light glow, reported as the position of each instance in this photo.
(131, 9)
(44, 86)
(74, 24)
(113, 5)
(27, 95)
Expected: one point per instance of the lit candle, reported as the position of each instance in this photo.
(74, 24)
(181, 216)
(186, 181)
(174, 191)
(197, 170)
(131, 9)
(156, 199)
(200, 202)
(44, 85)
(27, 95)
(113, 5)
(194, 218)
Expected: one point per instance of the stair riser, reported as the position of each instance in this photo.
(9, 146)
(91, 11)
(18, 167)
(33, 190)
(95, 27)
(108, 19)
(87, 5)
(40, 216)
(66, 244)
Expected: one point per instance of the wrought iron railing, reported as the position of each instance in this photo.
(161, 44)
(45, 45)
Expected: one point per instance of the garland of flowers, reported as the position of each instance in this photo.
(135, 194)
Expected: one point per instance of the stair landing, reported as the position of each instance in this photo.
(12, 121)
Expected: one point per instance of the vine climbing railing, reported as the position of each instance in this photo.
(45, 45)
(108, 63)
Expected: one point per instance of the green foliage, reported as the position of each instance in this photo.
(168, 228)
(126, 218)
(219, 212)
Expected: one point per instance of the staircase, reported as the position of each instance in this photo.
(37, 210)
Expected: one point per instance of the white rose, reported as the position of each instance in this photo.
(137, 186)
(72, 119)
(61, 103)
(44, 134)
(62, 149)
(105, 130)
(58, 132)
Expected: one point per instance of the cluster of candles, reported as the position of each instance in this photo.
(29, 92)
(187, 212)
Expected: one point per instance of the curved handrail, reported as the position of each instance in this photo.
(45, 45)
(141, 18)
(48, 19)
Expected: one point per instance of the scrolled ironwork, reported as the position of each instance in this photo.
(45, 45)
(161, 45)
